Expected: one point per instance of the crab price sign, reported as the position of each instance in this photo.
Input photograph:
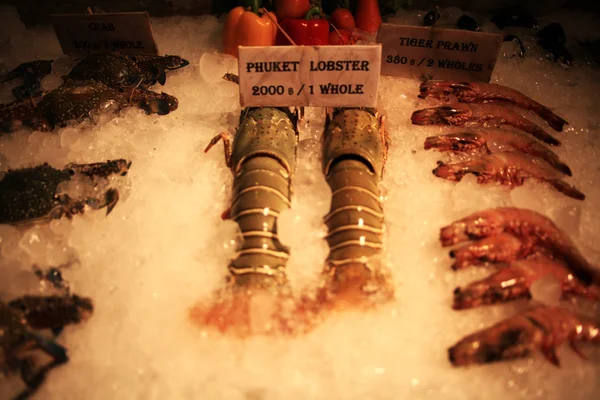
(436, 53)
(320, 76)
(127, 32)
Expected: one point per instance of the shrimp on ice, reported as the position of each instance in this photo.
(501, 248)
(494, 141)
(541, 328)
(479, 114)
(480, 92)
(532, 228)
(514, 282)
(507, 168)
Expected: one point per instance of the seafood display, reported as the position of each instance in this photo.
(31, 195)
(19, 321)
(325, 266)
(507, 168)
(354, 153)
(541, 328)
(478, 92)
(462, 114)
(262, 158)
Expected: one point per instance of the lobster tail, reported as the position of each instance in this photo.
(354, 151)
(263, 161)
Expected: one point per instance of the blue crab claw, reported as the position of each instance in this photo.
(176, 62)
(10, 125)
(161, 77)
(156, 106)
(111, 197)
(34, 378)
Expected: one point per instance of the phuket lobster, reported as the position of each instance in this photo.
(262, 157)
(355, 148)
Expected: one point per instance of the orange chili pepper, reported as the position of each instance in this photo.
(246, 28)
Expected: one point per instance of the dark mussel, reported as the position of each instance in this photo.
(525, 21)
(562, 55)
(467, 23)
(512, 38)
(502, 20)
(593, 47)
(551, 36)
(431, 18)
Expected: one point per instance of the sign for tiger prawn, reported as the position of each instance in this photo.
(437, 53)
(128, 32)
(320, 76)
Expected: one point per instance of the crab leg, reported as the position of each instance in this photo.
(34, 379)
(20, 317)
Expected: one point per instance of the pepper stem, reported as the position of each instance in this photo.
(264, 10)
(255, 6)
(338, 33)
(311, 13)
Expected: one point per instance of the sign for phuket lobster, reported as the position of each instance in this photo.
(127, 32)
(438, 53)
(319, 76)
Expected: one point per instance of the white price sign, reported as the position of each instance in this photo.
(437, 53)
(319, 76)
(128, 32)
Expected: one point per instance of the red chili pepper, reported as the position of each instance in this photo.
(367, 15)
(305, 32)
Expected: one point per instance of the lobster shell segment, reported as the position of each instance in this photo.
(269, 132)
(354, 133)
